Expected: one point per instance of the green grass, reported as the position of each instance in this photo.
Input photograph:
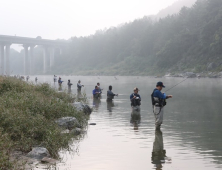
(27, 118)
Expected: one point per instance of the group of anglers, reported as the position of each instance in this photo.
(25, 78)
(98, 91)
(158, 102)
(79, 85)
(158, 98)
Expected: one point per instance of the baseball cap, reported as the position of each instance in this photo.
(136, 89)
(160, 84)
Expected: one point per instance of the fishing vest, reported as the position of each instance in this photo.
(156, 101)
(135, 102)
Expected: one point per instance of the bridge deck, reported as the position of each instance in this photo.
(32, 41)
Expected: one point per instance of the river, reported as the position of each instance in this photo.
(190, 137)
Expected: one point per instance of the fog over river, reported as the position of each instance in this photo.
(190, 137)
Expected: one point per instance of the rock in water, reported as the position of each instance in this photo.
(92, 124)
(76, 131)
(68, 122)
(38, 153)
(82, 107)
(48, 160)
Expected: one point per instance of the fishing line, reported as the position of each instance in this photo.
(176, 84)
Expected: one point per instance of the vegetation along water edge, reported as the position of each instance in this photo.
(35, 116)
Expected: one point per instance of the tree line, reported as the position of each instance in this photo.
(187, 41)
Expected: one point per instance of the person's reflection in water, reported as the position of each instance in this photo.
(158, 154)
(60, 88)
(69, 91)
(110, 105)
(96, 103)
(79, 94)
(135, 118)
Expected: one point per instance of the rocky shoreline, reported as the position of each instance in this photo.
(37, 122)
(195, 75)
(40, 155)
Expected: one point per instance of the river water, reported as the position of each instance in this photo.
(190, 137)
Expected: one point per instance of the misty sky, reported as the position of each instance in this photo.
(65, 18)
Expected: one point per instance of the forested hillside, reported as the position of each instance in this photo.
(174, 8)
(188, 41)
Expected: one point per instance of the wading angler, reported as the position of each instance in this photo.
(159, 101)
(135, 99)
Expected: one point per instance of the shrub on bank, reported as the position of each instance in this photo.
(27, 118)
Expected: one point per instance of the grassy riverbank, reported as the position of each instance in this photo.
(27, 118)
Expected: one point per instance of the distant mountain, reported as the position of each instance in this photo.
(174, 8)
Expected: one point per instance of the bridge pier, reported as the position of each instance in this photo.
(45, 59)
(26, 58)
(52, 57)
(7, 53)
(31, 59)
(29, 45)
(2, 59)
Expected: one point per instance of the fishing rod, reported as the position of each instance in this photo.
(176, 85)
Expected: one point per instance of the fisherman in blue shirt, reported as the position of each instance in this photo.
(60, 81)
(135, 99)
(158, 102)
(96, 93)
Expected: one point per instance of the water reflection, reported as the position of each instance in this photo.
(192, 128)
(79, 94)
(69, 90)
(60, 87)
(110, 105)
(96, 103)
(159, 153)
(135, 118)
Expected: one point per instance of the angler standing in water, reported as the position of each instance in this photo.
(98, 85)
(27, 78)
(96, 93)
(110, 94)
(158, 102)
(79, 86)
(55, 78)
(60, 81)
(135, 99)
(36, 79)
(69, 85)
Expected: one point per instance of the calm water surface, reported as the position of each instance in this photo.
(190, 138)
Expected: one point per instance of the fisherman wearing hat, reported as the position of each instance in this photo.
(135, 99)
(158, 102)
(79, 86)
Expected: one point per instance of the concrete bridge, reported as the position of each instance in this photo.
(29, 44)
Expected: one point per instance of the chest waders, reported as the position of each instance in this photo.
(160, 103)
